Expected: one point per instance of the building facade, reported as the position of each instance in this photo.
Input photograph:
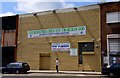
(71, 35)
(83, 38)
(110, 32)
(9, 39)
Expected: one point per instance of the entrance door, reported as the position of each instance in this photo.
(7, 55)
(44, 62)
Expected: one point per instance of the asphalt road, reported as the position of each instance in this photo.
(49, 74)
(54, 77)
(43, 75)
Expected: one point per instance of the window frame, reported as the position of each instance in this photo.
(80, 52)
(87, 46)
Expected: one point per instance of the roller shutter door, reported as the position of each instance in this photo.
(114, 46)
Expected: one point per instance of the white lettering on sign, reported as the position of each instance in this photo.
(60, 47)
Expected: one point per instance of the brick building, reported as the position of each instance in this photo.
(82, 38)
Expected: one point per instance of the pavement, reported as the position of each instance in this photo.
(54, 73)
(65, 72)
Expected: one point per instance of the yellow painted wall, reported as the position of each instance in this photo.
(29, 49)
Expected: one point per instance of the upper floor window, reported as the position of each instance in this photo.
(113, 17)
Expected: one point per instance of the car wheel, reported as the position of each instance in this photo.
(111, 74)
(17, 71)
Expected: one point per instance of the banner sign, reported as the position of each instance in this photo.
(60, 47)
(80, 30)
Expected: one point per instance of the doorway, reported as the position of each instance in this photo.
(8, 55)
(44, 61)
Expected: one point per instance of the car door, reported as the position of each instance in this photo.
(26, 67)
(5, 68)
(118, 69)
(115, 69)
(13, 67)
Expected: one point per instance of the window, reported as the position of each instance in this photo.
(25, 64)
(113, 17)
(87, 46)
(116, 66)
(13, 65)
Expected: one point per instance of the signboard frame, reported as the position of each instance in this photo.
(60, 47)
(73, 52)
(79, 30)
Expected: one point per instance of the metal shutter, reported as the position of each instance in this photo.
(114, 45)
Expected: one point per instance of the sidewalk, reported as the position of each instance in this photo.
(36, 73)
(64, 72)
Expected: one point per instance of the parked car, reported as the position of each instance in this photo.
(112, 70)
(16, 67)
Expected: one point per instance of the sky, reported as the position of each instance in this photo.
(13, 7)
